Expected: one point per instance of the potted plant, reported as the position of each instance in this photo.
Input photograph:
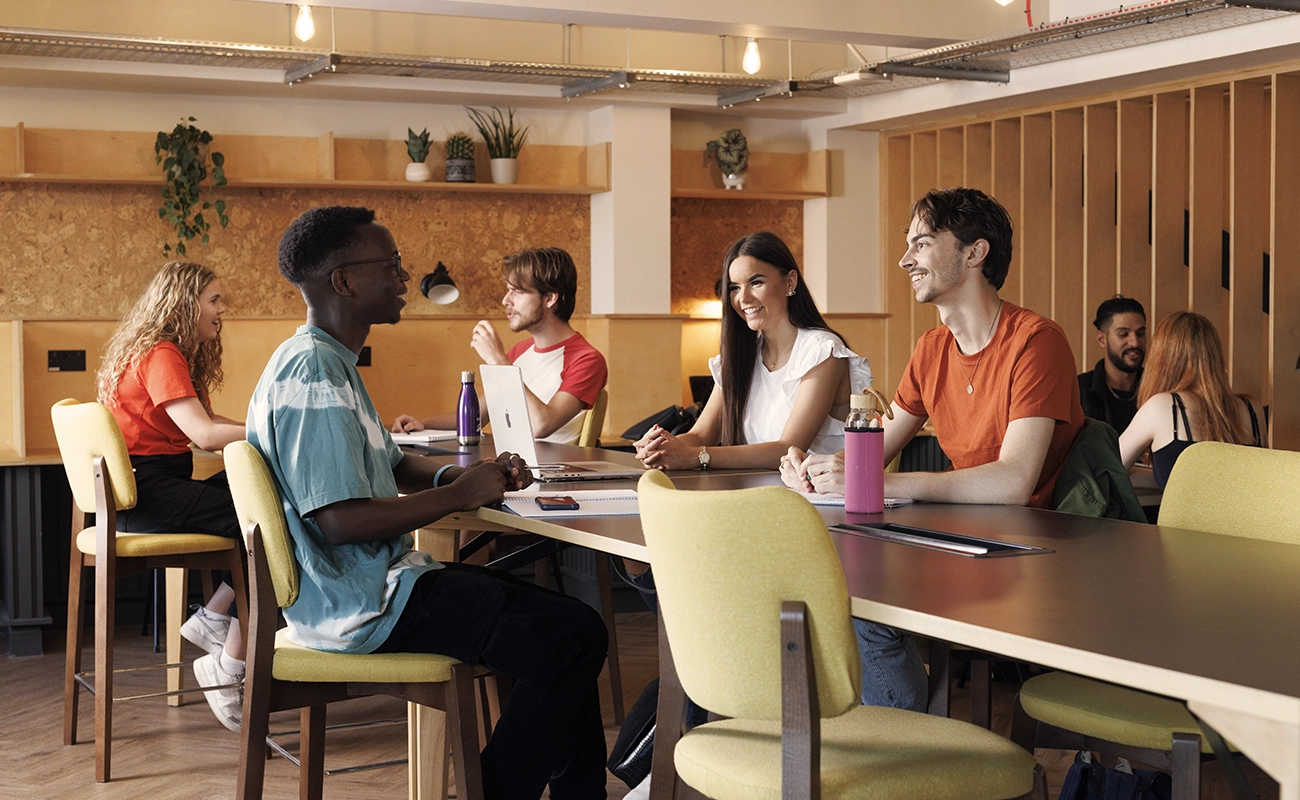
(417, 147)
(731, 151)
(460, 158)
(184, 155)
(503, 141)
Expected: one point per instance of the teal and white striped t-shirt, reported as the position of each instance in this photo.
(312, 420)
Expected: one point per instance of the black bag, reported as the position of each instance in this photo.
(633, 751)
(673, 419)
(1087, 780)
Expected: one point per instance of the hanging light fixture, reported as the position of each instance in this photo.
(305, 27)
(1004, 2)
(751, 63)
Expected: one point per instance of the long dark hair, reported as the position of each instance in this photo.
(739, 345)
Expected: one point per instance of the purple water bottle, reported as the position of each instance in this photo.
(467, 418)
(864, 459)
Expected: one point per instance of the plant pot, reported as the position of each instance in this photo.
(505, 170)
(417, 172)
(460, 170)
(736, 181)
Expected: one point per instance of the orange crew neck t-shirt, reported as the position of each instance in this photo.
(161, 376)
(1026, 370)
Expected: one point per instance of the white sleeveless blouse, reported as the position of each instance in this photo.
(772, 392)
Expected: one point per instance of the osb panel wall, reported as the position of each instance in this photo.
(702, 229)
(73, 251)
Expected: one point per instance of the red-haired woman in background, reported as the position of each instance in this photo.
(1185, 397)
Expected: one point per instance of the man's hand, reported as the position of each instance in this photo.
(824, 474)
(520, 476)
(406, 423)
(487, 344)
(483, 483)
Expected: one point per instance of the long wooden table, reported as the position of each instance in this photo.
(1203, 618)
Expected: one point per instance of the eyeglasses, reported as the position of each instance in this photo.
(395, 261)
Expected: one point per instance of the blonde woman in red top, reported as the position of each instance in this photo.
(159, 369)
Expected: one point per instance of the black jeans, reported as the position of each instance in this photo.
(551, 645)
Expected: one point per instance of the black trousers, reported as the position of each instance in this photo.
(551, 645)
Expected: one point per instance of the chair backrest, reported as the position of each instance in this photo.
(595, 421)
(86, 431)
(724, 562)
(1235, 490)
(257, 502)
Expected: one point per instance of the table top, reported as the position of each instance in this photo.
(1181, 613)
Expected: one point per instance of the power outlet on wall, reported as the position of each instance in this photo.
(67, 360)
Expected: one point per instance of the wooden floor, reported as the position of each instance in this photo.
(162, 752)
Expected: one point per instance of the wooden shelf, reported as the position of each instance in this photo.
(772, 176)
(745, 194)
(36, 155)
(396, 186)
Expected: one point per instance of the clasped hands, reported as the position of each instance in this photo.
(659, 449)
(485, 482)
(813, 472)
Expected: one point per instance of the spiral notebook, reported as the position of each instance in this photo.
(423, 437)
(838, 499)
(591, 503)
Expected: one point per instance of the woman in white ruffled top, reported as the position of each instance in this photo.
(782, 376)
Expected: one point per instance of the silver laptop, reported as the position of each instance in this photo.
(512, 431)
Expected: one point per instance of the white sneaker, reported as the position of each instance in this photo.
(226, 703)
(639, 792)
(206, 630)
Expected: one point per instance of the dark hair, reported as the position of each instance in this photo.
(739, 345)
(546, 270)
(969, 214)
(315, 236)
(1119, 304)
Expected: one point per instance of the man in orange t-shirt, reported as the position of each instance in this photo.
(996, 380)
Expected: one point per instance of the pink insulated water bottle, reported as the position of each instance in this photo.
(864, 459)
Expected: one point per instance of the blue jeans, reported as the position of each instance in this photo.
(893, 673)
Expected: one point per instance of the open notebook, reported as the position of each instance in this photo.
(838, 499)
(423, 437)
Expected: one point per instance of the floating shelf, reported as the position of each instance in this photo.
(33, 155)
(772, 176)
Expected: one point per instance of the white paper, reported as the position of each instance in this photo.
(591, 503)
(838, 499)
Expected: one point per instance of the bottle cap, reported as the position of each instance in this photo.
(861, 401)
(467, 376)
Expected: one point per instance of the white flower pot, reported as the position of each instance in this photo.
(417, 172)
(736, 181)
(505, 170)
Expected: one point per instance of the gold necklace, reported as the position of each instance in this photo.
(970, 379)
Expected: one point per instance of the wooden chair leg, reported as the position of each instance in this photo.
(1024, 728)
(607, 611)
(177, 592)
(311, 753)
(72, 655)
(940, 678)
(670, 715)
(981, 692)
(252, 733)
(465, 753)
(1186, 757)
(105, 619)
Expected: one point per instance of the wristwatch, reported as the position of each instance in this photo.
(704, 457)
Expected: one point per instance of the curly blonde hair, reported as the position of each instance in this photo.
(167, 311)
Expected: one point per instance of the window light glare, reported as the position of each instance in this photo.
(305, 27)
(751, 63)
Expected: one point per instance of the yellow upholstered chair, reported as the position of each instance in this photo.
(281, 675)
(594, 421)
(1215, 487)
(99, 471)
(754, 616)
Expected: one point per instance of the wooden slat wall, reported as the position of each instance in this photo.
(1182, 196)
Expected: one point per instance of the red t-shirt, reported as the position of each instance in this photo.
(572, 366)
(161, 376)
(1026, 370)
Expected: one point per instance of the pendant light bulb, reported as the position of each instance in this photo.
(751, 63)
(1004, 2)
(305, 27)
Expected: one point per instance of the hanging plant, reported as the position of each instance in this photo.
(185, 157)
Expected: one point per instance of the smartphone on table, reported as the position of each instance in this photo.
(557, 503)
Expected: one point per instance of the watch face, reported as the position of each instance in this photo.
(704, 458)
